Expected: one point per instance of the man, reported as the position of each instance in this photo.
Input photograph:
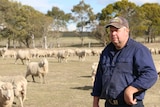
(125, 70)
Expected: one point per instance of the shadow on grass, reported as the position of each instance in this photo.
(86, 76)
(83, 88)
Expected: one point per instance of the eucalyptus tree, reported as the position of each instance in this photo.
(84, 17)
(59, 23)
(7, 14)
(120, 8)
(151, 20)
(21, 22)
(100, 34)
(3, 8)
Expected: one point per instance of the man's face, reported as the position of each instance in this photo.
(119, 36)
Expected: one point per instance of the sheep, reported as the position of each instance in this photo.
(96, 52)
(88, 52)
(19, 86)
(152, 50)
(54, 53)
(2, 51)
(37, 69)
(81, 54)
(34, 52)
(23, 55)
(62, 55)
(9, 53)
(94, 70)
(42, 53)
(6, 94)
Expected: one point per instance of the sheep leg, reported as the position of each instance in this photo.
(43, 79)
(33, 78)
(23, 97)
(26, 75)
(22, 61)
(23, 93)
(40, 76)
(21, 102)
(27, 61)
(16, 61)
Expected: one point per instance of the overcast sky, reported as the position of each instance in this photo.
(67, 5)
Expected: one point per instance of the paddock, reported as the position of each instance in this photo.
(67, 84)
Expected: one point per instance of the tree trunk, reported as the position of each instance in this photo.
(45, 42)
(14, 43)
(33, 42)
(8, 43)
(82, 41)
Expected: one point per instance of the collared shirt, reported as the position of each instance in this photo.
(117, 69)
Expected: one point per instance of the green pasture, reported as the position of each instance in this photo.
(68, 84)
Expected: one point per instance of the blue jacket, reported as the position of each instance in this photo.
(133, 65)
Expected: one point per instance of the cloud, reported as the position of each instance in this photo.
(71, 27)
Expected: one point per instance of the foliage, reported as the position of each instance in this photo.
(143, 20)
(84, 17)
(60, 19)
(151, 19)
(19, 23)
(101, 34)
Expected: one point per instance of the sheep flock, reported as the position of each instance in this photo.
(37, 65)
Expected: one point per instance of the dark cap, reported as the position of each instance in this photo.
(118, 22)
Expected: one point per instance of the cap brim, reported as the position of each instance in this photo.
(117, 25)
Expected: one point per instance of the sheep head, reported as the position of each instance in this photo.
(6, 90)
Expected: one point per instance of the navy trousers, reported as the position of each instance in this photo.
(139, 104)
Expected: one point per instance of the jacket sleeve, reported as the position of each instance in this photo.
(145, 69)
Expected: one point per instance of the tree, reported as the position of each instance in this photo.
(60, 19)
(84, 17)
(59, 23)
(120, 8)
(151, 20)
(22, 22)
(101, 34)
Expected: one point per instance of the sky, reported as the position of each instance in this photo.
(66, 5)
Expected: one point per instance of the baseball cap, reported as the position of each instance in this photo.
(118, 22)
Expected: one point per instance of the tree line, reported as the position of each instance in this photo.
(22, 24)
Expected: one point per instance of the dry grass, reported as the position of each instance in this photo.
(68, 84)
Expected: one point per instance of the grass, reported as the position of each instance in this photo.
(68, 84)
(63, 41)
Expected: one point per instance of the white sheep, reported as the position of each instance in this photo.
(3, 50)
(19, 86)
(9, 53)
(23, 55)
(34, 52)
(6, 94)
(62, 55)
(94, 70)
(38, 69)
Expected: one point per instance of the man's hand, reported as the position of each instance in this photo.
(128, 95)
